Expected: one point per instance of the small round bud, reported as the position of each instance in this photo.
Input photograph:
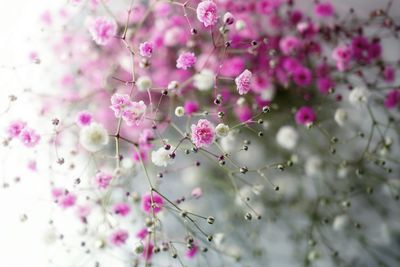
(210, 238)
(164, 92)
(193, 31)
(248, 216)
(138, 248)
(210, 219)
(222, 130)
(229, 19)
(167, 147)
(144, 83)
(266, 109)
(243, 170)
(173, 85)
(179, 111)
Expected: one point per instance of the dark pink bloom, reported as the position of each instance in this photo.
(243, 113)
(122, 209)
(148, 251)
(142, 233)
(392, 99)
(83, 212)
(389, 74)
(119, 237)
(186, 61)
(302, 76)
(103, 179)
(29, 137)
(342, 55)
(66, 200)
(146, 49)
(191, 252)
(243, 82)
(305, 115)
(191, 107)
(84, 118)
(207, 13)
(15, 127)
(324, 84)
(203, 133)
(158, 203)
(324, 10)
(268, 6)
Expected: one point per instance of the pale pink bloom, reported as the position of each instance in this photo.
(103, 180)
(83, 212)
(197, 192)
(102, 30)
(158, 203)
(207, 13)
(66, 200)
(119, 102)
(15, 128)
(84, 118)
(146, 49)
(122, 209)
(32, 165)
(57, 192)
(243, 82)
(203, 134)
(142, 233)
(134, 113)
(119, 237)
(186, 60)
(29, 137)
(342, 55)
(289, 44)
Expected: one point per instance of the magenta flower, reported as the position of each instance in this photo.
(324, 84)
(103, 180)
(324, 9)
(119, 102)
(392, 99)
(119, 237)
(134, 113)
(389, 74)
(146, 49)
(207, 13)
(102, 30)
(191, 252)
(158, 203)
(122, 209)
(305, 115)
(84, 118)
(148, 251)
(191, 107)
(29, 137)
(302, 76)
(203, 134)
(186, 60)
(15, 128)
(243, 82)
(342, 55)
(142, 233)
(66, 200)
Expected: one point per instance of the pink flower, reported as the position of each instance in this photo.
(15, 128)
(142, 233)
(305, 115)
(66, 200)
(84, 118)
(119, 102)
(158, 203)
(148, 251)
(243, 82)
(197, 192)
(29, 137)
(392, 99)
(191, 252)
(229, 19)
(268, 6)
(191, 107)
(134, 113)
(342, 56)
(324, 10)
(207, 13)
(102, 30)
(324, 84)
(389, 74)
(302, 76)
(203, 134)
(289, 45)
(103, 180)
(119, 237)
(186, 60)
(83, 212)
(146, 49)
(145, 138)
(122, 209)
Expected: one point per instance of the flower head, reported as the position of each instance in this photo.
(29, 137)
(358, 96)
(84, 118)
(161, 157)
(119, 102)
(204, 80)
(134, 113)
(93, 137)
(186, 61)
(119, 237)
(15, 128)
(287, 137)
(147, 206)
(146, 49)
(324, 9)
(392, 99)
(203, 134)
(102, 30)
(103, 179)
(243, 82)
(121, 209)
(207, 13)
(305, 115)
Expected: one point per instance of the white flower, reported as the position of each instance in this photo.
(240, 25)
(229, 143)
(204, 80)
(179, 111)
(241, 101)
(93, 137)
(287, 137)
(144, 83)
(358, 96)
(173, 85)
(340, 222)
(341, 116)
(313, 166)
(222, 130)
(161, 157)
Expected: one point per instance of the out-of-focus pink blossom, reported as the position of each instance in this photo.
(102, 29)
(102, 180)
(324, 9)
(146, 49)
(121, 209)
(148, 199)
(15, 128)
(119, 237)
(84, 118)
(186, 60)
(29, 137)
(392, 99)
(305, 115)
